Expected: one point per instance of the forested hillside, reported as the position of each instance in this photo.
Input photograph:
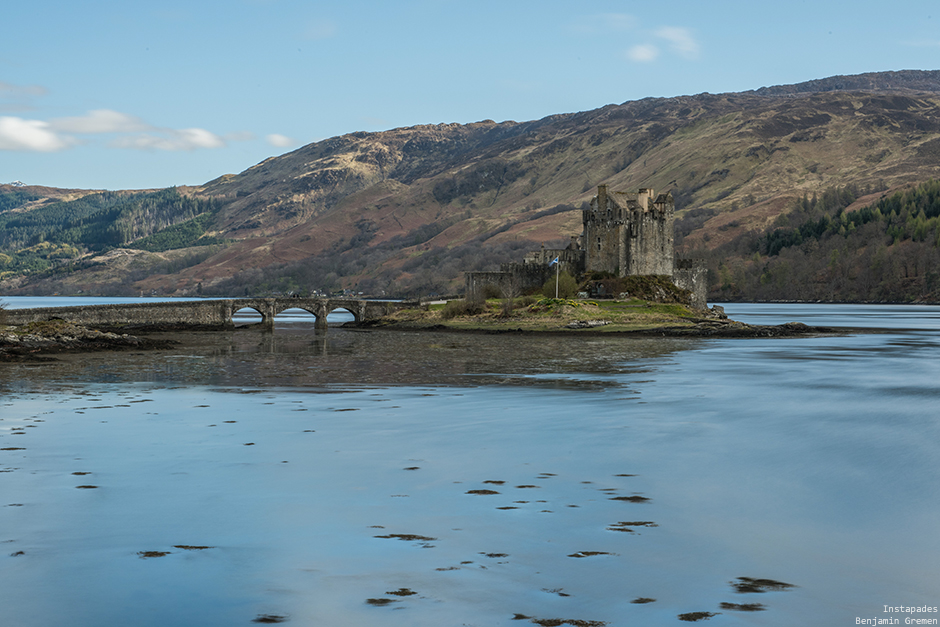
(827, 250)
(52, 234)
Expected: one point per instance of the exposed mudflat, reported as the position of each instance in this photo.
(37, 341)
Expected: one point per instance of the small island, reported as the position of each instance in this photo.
(635, 317)
(654, 307)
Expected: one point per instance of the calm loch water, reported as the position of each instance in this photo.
(379, 478)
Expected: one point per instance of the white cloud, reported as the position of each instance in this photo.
(131, 133)
(280, 141)
(643, 53)
(101, 121)
(680, 39)
(169, 139)
(30, 136)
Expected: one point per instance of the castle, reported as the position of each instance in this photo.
(624, 234)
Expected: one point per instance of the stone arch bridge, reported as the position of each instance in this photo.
(203, 313)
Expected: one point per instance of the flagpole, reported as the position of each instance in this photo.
(557, 265)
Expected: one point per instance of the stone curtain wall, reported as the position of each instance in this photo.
(692, 275)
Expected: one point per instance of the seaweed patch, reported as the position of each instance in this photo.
(149, 554)
(744, 607)
(692, 617)
(746, 585)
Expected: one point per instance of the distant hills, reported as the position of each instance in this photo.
(406, 211)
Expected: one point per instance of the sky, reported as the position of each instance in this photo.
(136, 95)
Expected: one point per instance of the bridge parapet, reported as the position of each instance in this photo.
(202, 313)
(197, 313)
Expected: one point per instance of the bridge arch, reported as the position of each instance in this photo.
(244, 314)
(353, 311)
(297, 312)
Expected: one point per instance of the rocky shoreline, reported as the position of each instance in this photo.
(701, 328)
(38, 340)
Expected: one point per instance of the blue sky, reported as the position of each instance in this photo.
(132, 95)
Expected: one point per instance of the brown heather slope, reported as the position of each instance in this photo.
(391, 198)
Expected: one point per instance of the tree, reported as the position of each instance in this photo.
(567, 286)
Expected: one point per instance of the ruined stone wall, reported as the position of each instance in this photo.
(475, 283)
(570, 259)
(528, 276)
(692, 275)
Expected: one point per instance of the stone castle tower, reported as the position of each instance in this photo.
(627, 234)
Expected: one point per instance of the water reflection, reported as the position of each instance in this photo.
(299, 355)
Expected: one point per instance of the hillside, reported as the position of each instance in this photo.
(405, 211)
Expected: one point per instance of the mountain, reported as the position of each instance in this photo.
(405, 211)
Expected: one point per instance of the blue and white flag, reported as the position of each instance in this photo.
(554, 261)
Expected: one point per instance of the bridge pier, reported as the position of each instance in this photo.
(268, 313)
(321, 314)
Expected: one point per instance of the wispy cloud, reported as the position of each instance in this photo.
(643, 53)
(280, 141)
(170, 139)
(680, 39)
(677, 39)
(19, 97)
(100, 121)
(21, 135)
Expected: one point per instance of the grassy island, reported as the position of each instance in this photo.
(547, 314)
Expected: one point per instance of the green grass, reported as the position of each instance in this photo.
(550, 314)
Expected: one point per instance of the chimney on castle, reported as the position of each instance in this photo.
(601, 197)
(643, 198)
